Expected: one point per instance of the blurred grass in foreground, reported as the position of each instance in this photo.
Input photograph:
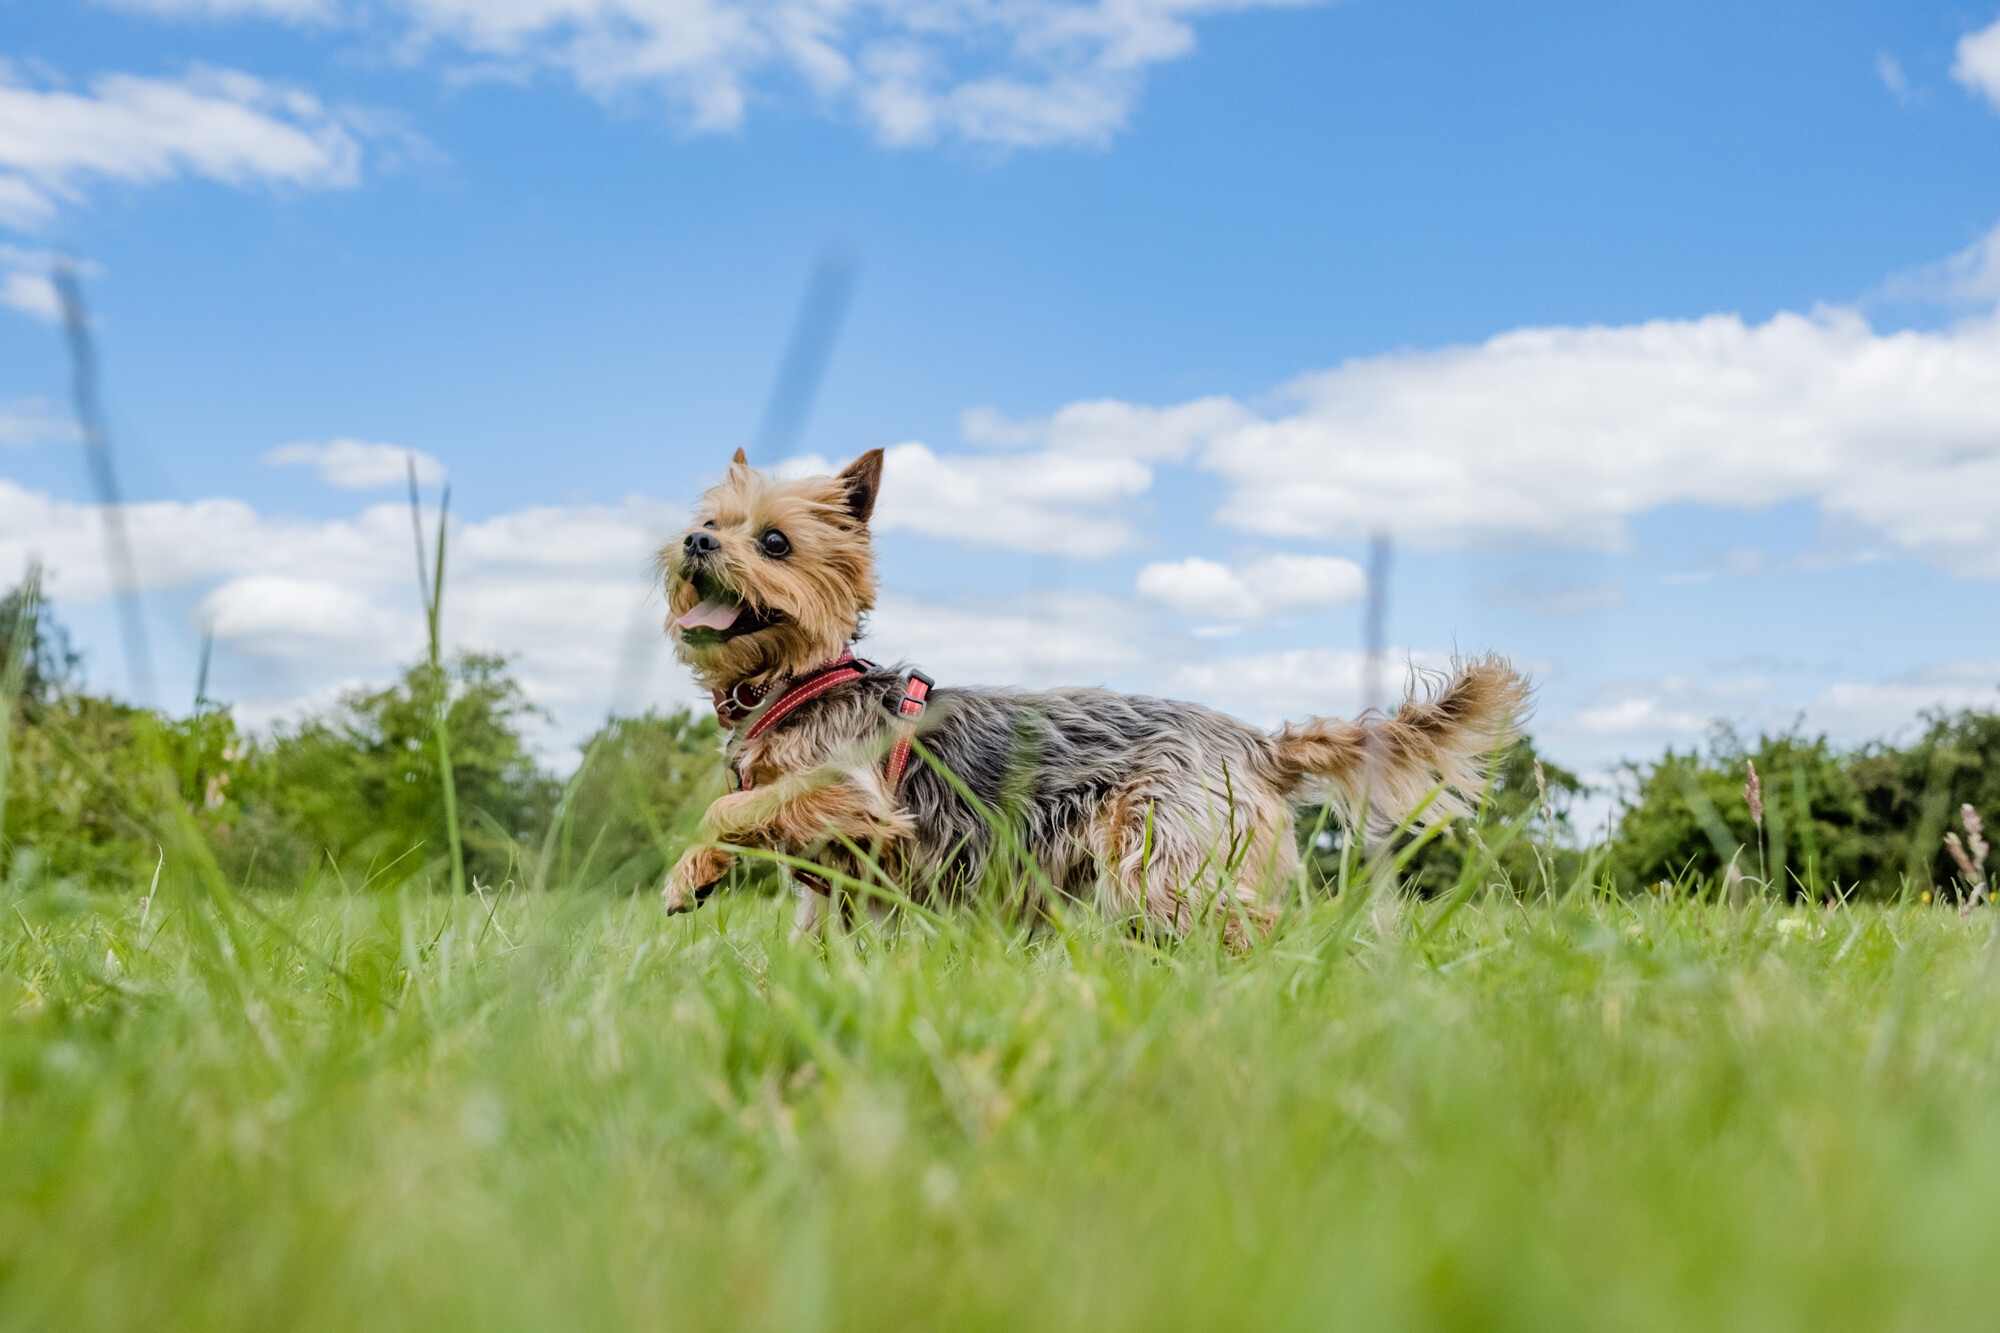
(319, 1109)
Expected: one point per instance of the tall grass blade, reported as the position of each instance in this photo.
(104, 480)
(13, 670)
(432, 589)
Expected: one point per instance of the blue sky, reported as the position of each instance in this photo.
(1658, 337)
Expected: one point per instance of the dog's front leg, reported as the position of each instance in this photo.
(703, 865)
(795, 815)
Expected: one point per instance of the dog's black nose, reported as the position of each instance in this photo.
(701, 543)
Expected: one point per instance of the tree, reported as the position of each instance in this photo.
(363, 784)
(634, 804)
(49, 665)
(1688, 817)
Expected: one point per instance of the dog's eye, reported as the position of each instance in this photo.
(775, 544)
(710, 525)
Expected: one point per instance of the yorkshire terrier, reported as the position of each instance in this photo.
(1167, 811)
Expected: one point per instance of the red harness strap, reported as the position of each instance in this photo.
(916, 697)
(840, 670)
(740, 701)
(732, 708)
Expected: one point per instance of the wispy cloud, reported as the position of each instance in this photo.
(213, 124)
(1976, 62)
(1550, 597)
(1890, 71)
(1254, 590)
(26, 421)
(25, 283)
(357, 465)
(1018, 73)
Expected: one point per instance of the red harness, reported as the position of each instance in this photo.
(739, 703)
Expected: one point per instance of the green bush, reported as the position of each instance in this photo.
(361, 786)
(1870, 820)
(94, 783)
(633, 805)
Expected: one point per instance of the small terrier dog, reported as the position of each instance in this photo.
(1168, 811)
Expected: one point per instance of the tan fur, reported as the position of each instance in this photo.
(1387, 766)
(822, 590)
(1171, 813)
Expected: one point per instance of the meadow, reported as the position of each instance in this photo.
(348, 1107)
(263, 1064)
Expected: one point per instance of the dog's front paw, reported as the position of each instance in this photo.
(694, 877)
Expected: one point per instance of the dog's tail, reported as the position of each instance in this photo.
(1448, 734)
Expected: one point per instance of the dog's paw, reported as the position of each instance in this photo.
(694, 878)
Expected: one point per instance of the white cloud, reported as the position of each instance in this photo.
(356, 465)
(319, 602)
(1046, 502)
(1977, 65)
(1270, 688)
(1059, 485)
(1043, 639)
(31, 294)
(1651, 713)
(26, 283)
(214, 124)
(1013, 72)
(1889, 709)
(1642, 716)
(568, 593)
(1970, 278)
(1560, 436)
(1272, 585)
(1108, 428)
(306, 606)
(273, 615)
(1017, 73)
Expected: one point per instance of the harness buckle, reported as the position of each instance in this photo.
(916, 697)
(916, 694)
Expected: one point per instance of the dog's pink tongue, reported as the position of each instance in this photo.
(711, 615)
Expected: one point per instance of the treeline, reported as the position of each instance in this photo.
(1870, 822)
(356, 793)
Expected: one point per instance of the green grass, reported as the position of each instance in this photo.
(568, 1111)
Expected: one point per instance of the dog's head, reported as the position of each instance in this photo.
(771, 577)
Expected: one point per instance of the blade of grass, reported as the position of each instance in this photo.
(13, 670)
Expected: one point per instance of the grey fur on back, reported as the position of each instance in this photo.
(1047, 763)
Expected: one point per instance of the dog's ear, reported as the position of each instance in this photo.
(862, 479)
(739, 460)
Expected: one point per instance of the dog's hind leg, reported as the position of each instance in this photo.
(809, 918)
(1160, 861)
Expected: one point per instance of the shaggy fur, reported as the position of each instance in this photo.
(1149, 807)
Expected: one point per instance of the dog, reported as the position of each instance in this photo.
(1169, 812)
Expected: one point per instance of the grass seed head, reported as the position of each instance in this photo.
(1975, 834)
